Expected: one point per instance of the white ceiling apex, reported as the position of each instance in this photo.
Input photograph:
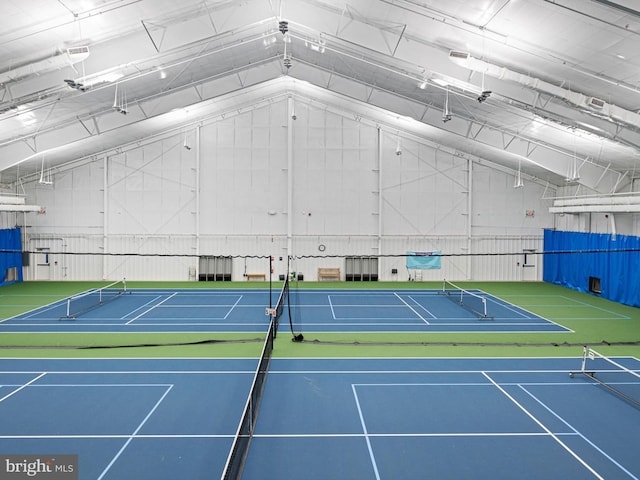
(575, 98)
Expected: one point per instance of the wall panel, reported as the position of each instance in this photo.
(230, 194)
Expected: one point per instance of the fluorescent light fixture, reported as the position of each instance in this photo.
(87, 82)
(109, 77)
(316, 45)
(446, 81)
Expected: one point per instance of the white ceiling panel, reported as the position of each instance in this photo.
(542, 60)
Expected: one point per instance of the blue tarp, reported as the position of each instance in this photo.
(10, 254)
(615, 261)
(423, 260)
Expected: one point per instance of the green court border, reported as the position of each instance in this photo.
(618, 335)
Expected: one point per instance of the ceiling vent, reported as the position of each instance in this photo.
(77, 54)
(459, 56)
(594, 102)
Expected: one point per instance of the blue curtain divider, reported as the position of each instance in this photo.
(10, 254)
(614, 260)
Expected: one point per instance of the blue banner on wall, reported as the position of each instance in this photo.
(10, 256)
(572, 258)
(423, 260)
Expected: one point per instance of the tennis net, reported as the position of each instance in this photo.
(83, 302)
(282, 299)
(240, 448)
(611, 375)
(469, 300)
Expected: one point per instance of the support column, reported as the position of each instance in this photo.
(290, 113)
(380, 220)
(197, 213)
(105, 214)
(469, 215)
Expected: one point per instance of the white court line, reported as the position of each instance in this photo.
(578, 433)
(333, 312)
(155, 323)
(513, 308)
(23, 386)
(37, 311)
(544, 427)
(135, 372)
(153, 300)
(126, 444)
(414, 310)
(575, 300)
(411, 435)
(282, 435)
(152, 308)
(115, 436)
(422, 306)
(366, 434)
(94, 385)
(232, 307)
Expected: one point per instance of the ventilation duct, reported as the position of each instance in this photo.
(614, 204)
(614, 112)
(6, 200)
(20, 208)
(596, 103)
(72, 56)
(17, 204)
(596, 209)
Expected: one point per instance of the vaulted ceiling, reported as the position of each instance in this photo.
(550, 87)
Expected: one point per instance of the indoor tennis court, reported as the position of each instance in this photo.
(359, 418)
(353, 418)
(417, 310)
(319, 239)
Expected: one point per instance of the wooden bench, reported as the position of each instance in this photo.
(256, 276)
(328, 274)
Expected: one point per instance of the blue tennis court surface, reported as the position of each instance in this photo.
(142, 419)
(240, 310)
(444, 419)
(323, 418)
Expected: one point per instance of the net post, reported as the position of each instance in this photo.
(270, 280)
(295, 337)
(240, 448)
(585, 353)
(615, 387)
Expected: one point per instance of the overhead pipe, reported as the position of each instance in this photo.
(593, 104)
(596, 209)
(20, 208)
(5, 200)
(70, 57)
(622, 200)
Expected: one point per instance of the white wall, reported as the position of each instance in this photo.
(236, 191)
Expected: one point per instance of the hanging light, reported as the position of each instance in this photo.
(398, 147)
(45, 177)
(518, 183)
(446, 113)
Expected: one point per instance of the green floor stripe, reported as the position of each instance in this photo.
(613, 327)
